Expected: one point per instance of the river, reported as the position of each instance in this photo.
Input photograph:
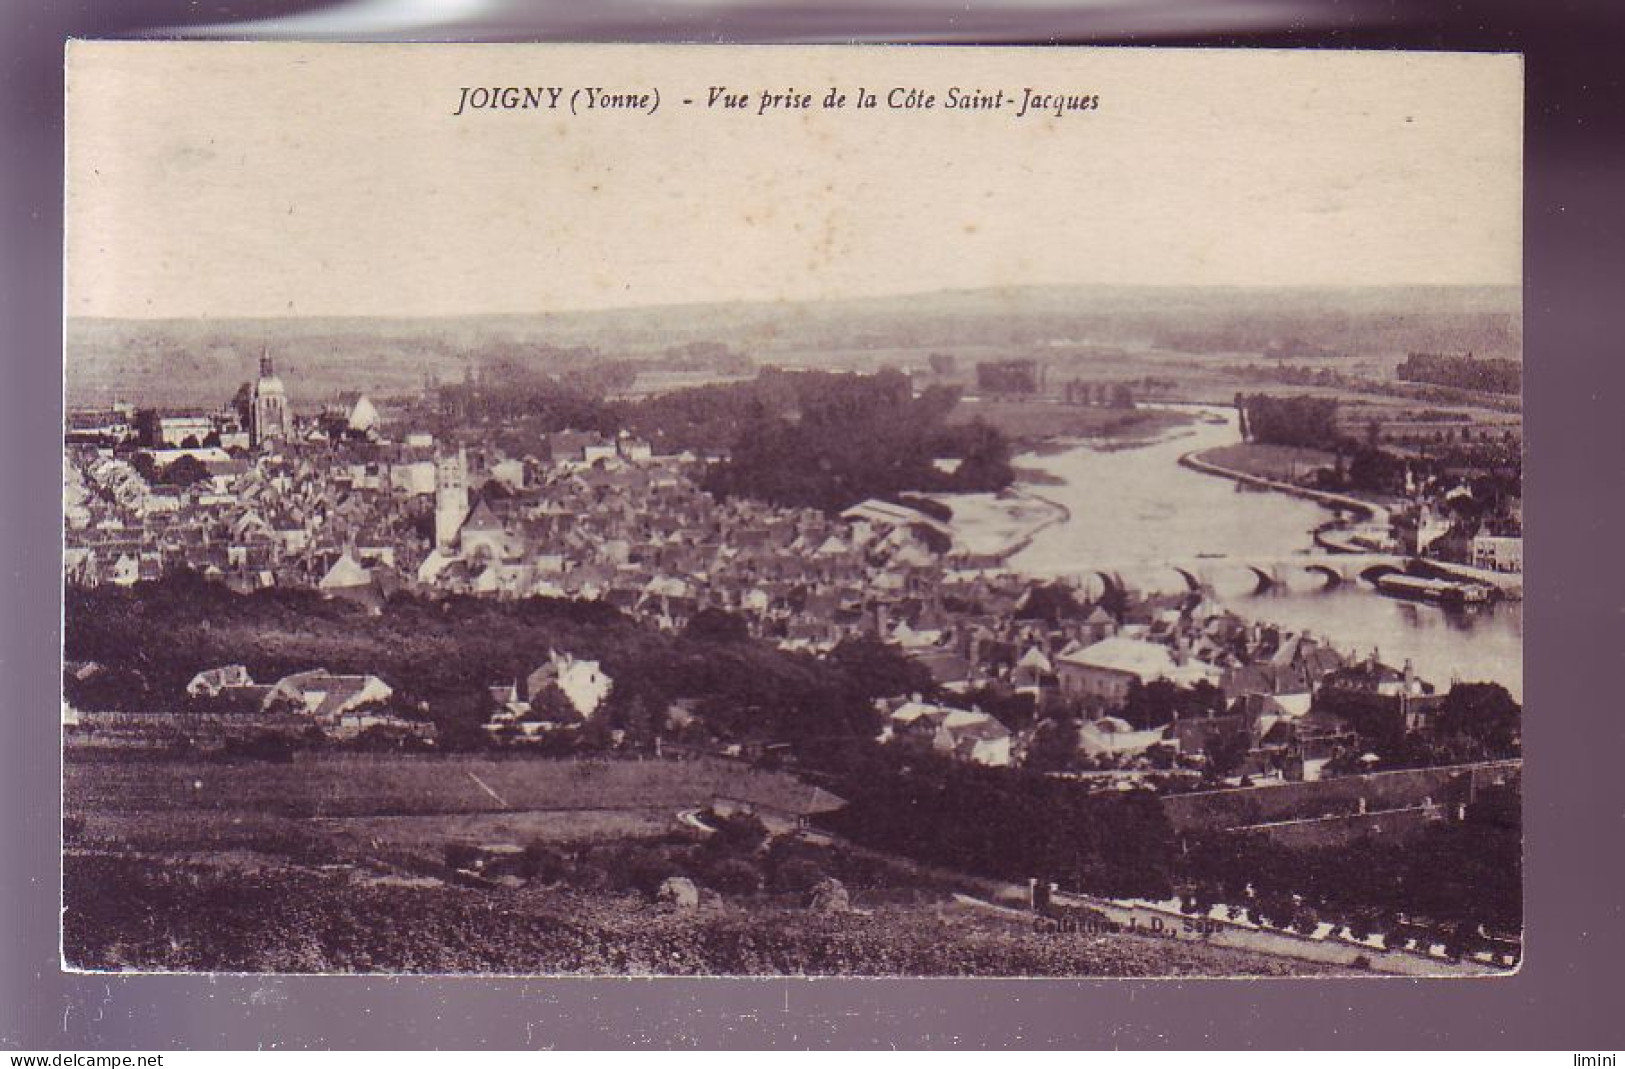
(1134, 509)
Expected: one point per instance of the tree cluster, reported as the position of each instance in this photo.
(1302, 421)
(1008, 824)
(852, 437)
(1441, 885)
(1463, 372)
(440, 656)
(1151, 705)
(1472, 722)
(1007, 376)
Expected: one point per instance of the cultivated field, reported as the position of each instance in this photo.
(343, 864)
(391, 810)
(331, 785)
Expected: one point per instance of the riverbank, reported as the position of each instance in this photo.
(995, 527)
(1133, 511)
(1206, 462)
(1286, 463)
(1336, 535)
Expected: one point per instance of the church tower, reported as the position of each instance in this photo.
(450, 497)
(270, 419)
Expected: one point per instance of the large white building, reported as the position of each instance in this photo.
(175, 431)
(1103, 673)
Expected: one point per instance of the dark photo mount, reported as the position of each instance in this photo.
(636, 609)
(1553, 131)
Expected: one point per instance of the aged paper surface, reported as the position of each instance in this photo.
(645, 509)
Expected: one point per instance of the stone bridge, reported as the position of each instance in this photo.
(1295, 571)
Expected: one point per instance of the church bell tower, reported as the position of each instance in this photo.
(450, 497)
(270, 418)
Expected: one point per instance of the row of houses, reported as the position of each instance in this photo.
(1258, 687)
(564, 691)
(227, 701)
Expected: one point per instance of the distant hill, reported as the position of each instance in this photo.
(202, 361)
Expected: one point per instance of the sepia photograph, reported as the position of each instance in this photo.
(548, 510)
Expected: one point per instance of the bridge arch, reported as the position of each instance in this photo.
(1334, 578)
(1377, 571)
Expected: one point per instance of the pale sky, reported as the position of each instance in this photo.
(213, 179)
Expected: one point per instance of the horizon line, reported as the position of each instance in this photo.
(1255, 287)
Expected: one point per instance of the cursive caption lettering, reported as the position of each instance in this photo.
(587, 100)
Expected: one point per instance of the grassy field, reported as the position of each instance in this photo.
(320, 785)
(1281, 462)
(1035, 421)
(194, 834)
(396, 810)
(546, 826)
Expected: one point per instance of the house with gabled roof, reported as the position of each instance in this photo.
(210, 682)
(327, 696)
(584, 683)
(967, 734)
(346, 574)
(1111, 736)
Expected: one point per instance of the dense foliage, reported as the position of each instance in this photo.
(1443, 884)
(1473, 722)
(1304, 421)
(130, 913)
(1151, 705)
(1007, 376)
(1008, 824)
(1464, 372)
(854, 437)
(153, 638)
(1484, 715)
(804, 438)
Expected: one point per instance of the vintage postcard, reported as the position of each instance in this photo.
(652, 510)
